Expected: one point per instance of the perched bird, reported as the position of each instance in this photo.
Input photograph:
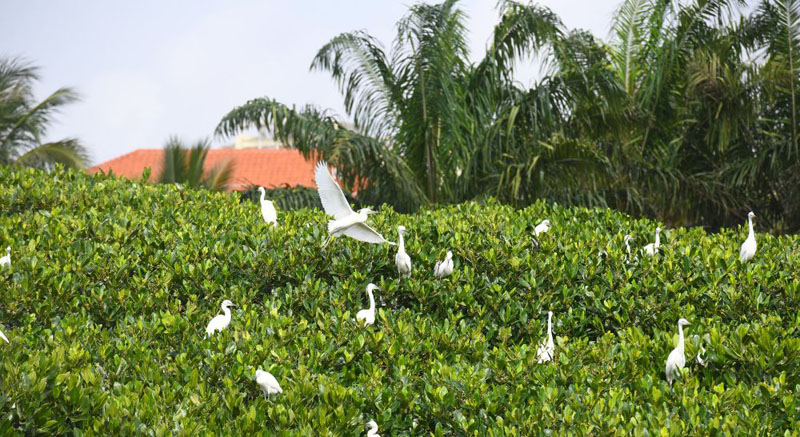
(676, 359)
(748, 250)
(3, 336)
(373, 429)
(444, 268)
(6, 260)
(267, 208)
(701, 358)
(368, 315)
(544, 226)
(652, 248)
(402, 260)
(345, 220)
(547, 347)
(628, 239)
(269, 385)
(221, 321)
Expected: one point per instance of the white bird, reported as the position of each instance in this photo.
(269, 385)
(221, 321)
(444, 268)
(652, 248)
(628, 239)
(544, 226)
(701, 356)
(547, 348)
(3, 336)
(402, 260)
(345, 220)
(6, 260)
(676, 359)
(373, 429)
(748, 250)
(267, 208)
(368, 315)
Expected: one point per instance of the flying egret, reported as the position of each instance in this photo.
(402, 260)
(221, 321)
(652, 248)
(748, 250)
(676, 359)
(444, 268)
(547, 347)
(368, 315)
(373, 429)
(345, 220)
(6, 260)
(544, 226)
(3, 336)
(269, 385)
(267, 208)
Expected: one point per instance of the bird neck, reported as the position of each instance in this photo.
(263, 195)
(373, 431)
(550, 328)
(658, 239)
(227, 312)
(750, 224)
(371, 301)
(680, 337)
(401, 245)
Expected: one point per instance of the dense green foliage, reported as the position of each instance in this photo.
(113, 282)
(187, 166)
(24, 121)
(687, 113)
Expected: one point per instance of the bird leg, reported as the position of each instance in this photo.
(327, 241)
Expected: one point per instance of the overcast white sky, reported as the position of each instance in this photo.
(148, 69)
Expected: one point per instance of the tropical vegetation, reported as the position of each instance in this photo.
(112, 283)
(186, 166)
(688, 113)
(24, 120)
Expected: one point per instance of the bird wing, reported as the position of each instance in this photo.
(268, 212)
(331, 196)
(268, 380)
(363, 232)
(3, 336)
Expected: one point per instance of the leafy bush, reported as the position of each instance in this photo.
(113, 282)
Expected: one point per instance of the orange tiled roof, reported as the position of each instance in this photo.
(265, 167)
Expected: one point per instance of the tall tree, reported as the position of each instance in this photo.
(24, 121)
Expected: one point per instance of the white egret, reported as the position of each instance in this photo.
(748, 250)
(6, 260)
(652, 248)
(368, 315)
(221, 321)
(676, 359)
(544, 226)
(267, 208)
(3, 336)
(373, 429)
(547, 347)
(345, 220)
(628, 239)
(402, 260)
(269, 385)
(701, 358)
(444, 268)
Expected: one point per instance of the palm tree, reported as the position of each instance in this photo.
(24, 121)
(425, 121)
(186, 166)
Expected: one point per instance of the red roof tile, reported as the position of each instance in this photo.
(264, 167)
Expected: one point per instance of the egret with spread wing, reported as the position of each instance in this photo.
(345, 220)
